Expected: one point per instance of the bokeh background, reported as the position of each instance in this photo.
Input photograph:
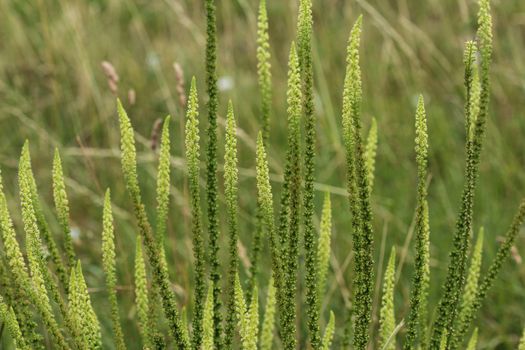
(54, 92)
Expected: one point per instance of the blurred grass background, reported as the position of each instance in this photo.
(54, 93)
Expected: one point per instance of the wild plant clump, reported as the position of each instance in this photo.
(47, 304)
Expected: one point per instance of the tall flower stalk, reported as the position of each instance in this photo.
(416, 323)
(387, 321)
(159, 273)
(62, 208)
(231, 175)
(211, 167)
(291, 252)
(108, 263)
(359, 192)
(193, 163)
(304, 39)
(446, 313)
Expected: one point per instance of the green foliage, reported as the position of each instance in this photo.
(108, 263)
(231, 175)
(268, 325)
(38, 300)
(62, 208)
(192, 159)
(387, 321)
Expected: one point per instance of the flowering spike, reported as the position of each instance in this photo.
(387, 322)
(471, 287)
(269, 318)
(25, 164)
(265, 202)
(141, 295)
(370, 153)
(522, 342)
(323, 252)
(193, 162)
(293, 178)
(159, 272)
(416, 324)
(40, 275)
(16, 264)
(8, 317)
(359, 193)
(211, 168)
(455, 279)
(230, 192)
(264, 68)
(473, 342)
(329, 333)
(108, 262)
(501, 256)
(62, 207)
(207, 322)
(304, 38)
(81, 315)
(249, 342)
(163, 187)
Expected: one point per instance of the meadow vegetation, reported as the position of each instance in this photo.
(309, 190)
